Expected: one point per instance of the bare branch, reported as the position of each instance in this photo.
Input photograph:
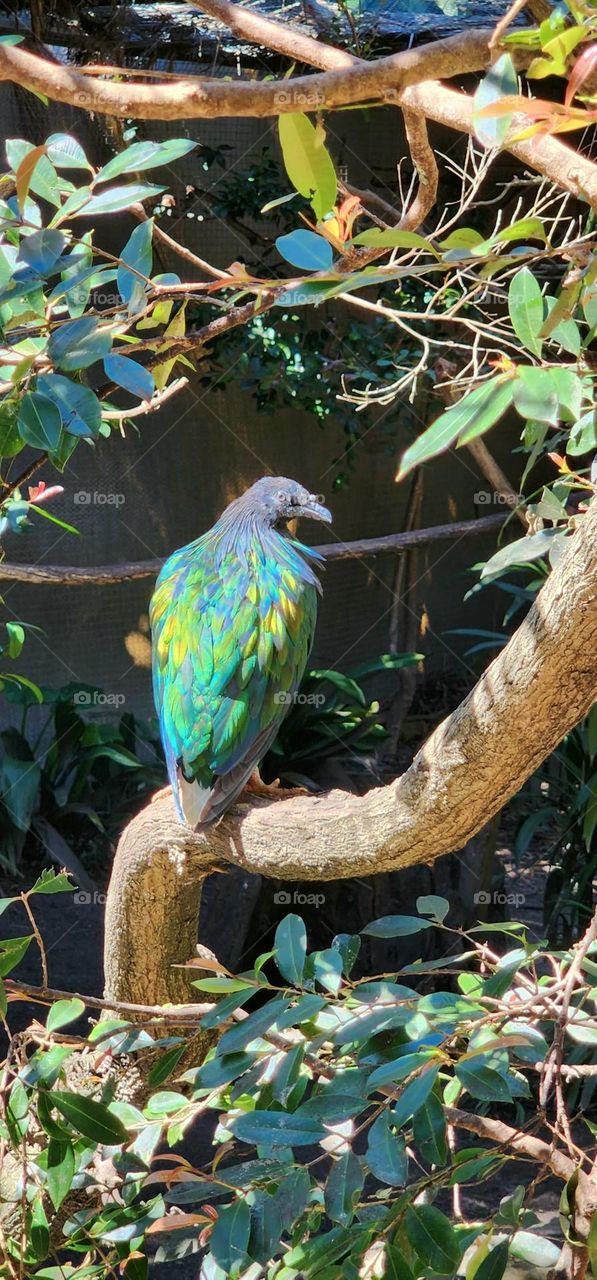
(393, 543)
(423, 158)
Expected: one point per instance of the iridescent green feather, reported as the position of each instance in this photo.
(232, 628)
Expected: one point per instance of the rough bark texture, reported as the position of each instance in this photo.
(541, 685)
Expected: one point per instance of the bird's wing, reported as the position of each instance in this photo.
(230, 644)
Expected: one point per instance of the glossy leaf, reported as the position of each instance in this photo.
(145, 155)
(306, 250)
(343, 1188)
(433, 1238)
(472, 416)
(396, 926)
(63, 1012)
(39, 421)
(59, 1170)
(290, 948)
(393, 238)
(116, 199)
(42, 249)
(138, 255)
(278, 1128)
(78, 344)
(130, 375)
(526, 308)
(90, 1118)
(386, 1153)
(80, 409)
(307, 162)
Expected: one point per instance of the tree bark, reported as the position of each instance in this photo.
(530, 696)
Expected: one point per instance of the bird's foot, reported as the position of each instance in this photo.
(162, 794)
(257, 787)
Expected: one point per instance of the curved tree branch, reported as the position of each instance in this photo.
(206, 99)
(533, 693)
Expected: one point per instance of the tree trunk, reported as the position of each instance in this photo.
(530, 696)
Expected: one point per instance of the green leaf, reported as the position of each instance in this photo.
(343, 1188)
(290, 948)
(16, 638)
(306, 250)
(145, 155)
(429, 1131)
(52, 882)
(472, 416)
(130, 375)
(10, 440)
(230, 1236)
(432, 905)
(253, 1027)
(414, 1095)
(526, 308)
(117, 198)
(90, 1118)
(539, 1252)
(583, 436)
(523, 551)
(386, 1153)
(396, 926)
(66, 153)
(348, 945)
(60, 1170)
(392, 238)
(398, 1068)
(307, 162)
(164, 1068)
(278, 1128)
(494, 1265)
(63, 1012)
(326, 967)
(42, 249)
(500, 81)
(39, 421)
(138, 254)
(433, 1238)
(78, 343)
(80, 409)
(535, 395)
(482, 1082)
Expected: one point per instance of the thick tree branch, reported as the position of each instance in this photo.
(207, 99)
(564, 167)
(534, 692)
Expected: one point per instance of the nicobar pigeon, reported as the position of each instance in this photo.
(232, 622)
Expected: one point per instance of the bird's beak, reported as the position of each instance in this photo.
(314, 510)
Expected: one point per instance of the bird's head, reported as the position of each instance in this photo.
(277, 500)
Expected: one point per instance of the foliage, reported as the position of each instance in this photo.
(331, 1095)
(321, 724)
(70, 781)
(67, 306)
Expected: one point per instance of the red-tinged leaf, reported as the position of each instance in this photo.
(24, 173)
(177, 1222)
(582, 69)
(173, 1159)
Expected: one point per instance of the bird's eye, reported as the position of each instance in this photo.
(281, 496)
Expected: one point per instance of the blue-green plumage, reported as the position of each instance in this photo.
(232, 621)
